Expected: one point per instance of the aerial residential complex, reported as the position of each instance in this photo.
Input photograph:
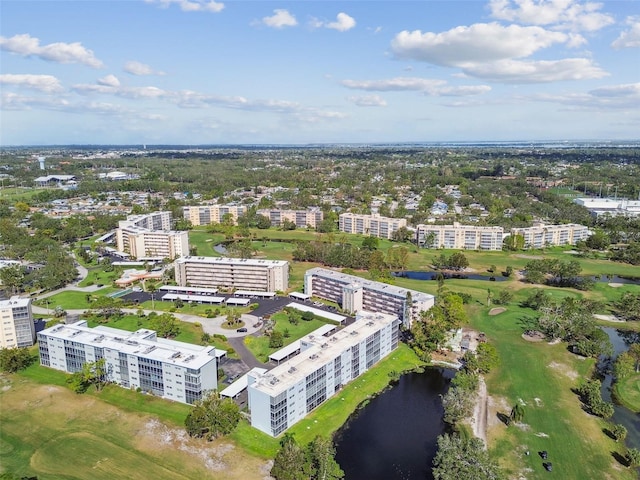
(470, 237)
(208, 214)
(240, 273)
(373, 225)
(355, 293)
(541, 235)
(17, 328)
(284, 395)
(311, 217)
(174, 370)
(150, 235)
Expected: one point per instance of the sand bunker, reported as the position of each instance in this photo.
(497, 310)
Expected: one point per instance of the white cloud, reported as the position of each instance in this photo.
(281, 18)
(368, 101)
(191, 5)
(629, 38)
(28, 46)
(109, 81)
(478, 43)
(43, 83)
(516, 71)
(562, 14)
(628, 90)
(428, 86)
(343, 23)
(138, 68)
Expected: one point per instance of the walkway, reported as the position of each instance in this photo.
(246, 356)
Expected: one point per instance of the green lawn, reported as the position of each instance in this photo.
(542, 376)
(204, 242)
(627, 392)
(97, 275)
(259, 346)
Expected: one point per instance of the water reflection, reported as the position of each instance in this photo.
(394, 436)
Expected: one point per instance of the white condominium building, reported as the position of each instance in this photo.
(173, 370)
(541, 235)
(149, 221)
(17, 329)
(208, 214)
(456, 236)
(311, 217)
(354, 293)
(140, 243)
(373, 225)
(284, 395)
(239, 273)
(150, 236)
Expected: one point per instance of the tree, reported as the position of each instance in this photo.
(459, 457)
(14, 359)
(165, 325)
(618, 432)
(633, 457)
(276, 340)
(91, 373)
(487, 357)
(458, 404)
(370, 243)
(212, 417)
(508, 271)
(624, 366)
(321, 460)
(513, 242)
(517, 413)
(290, 462)
(12, 277)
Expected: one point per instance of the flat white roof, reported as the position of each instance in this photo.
(300, 296)
(15, 301)
(316, 311)
(192, 298)
(295, 346)
(251, 293)
(242, 383)
(285, 375)
(177, 289)
(369, 284)
(140, 343)
(238, 301)
(233, 261)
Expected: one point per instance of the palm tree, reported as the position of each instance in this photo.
(517, 413)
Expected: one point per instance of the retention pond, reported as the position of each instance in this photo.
(394, 435)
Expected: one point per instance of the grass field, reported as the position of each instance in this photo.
(542, 376)
(72, 436)
(204, 242)
(627, 392)
(259, 346)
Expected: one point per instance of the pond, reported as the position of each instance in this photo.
(221, 249)
(416, 275)
(394, 435)
(621, 341)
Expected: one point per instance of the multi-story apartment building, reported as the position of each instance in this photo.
(456, 236)
(541, 235)
(311, 217)
(373, 225)
(354, 293)
(240, 273)
(208, 214)
(173, 370)
(284, 395)
(150, 236)
(17, 329)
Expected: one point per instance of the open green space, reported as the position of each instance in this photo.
(98, 276)
(204, 242)
(543, 376)
(259, 346)
(627, 392)
(112, 434)
(16, 194)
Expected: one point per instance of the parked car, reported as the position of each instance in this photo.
(241, 330)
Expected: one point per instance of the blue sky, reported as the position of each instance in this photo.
(209, 72)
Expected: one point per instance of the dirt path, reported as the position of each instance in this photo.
(480, 412)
